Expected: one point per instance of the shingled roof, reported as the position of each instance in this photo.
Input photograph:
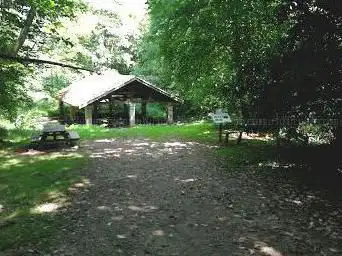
(97, 86)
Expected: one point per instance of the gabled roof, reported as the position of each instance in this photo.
(92, 88)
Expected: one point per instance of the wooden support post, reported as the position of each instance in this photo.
(169, 113)
(131, 114)
(88, 111)
(143, 109)
(61, 112)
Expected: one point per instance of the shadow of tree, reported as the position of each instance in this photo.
(33, 190)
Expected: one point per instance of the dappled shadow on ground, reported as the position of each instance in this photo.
(293, 198)
(181, 198)
(33, 191)
(109, 149)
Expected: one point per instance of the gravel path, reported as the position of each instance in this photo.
(177, 198)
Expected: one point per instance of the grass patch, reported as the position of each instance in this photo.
(17, 138)
(27, 185)
(251, 152)
(201, 132)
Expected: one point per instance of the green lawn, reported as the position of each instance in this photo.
(31, 188)
(200, 131)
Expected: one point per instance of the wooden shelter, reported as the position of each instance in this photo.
(111, 88)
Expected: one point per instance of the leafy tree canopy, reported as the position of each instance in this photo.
(25, 26)
(257, 58)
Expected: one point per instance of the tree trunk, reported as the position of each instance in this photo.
(23, 33)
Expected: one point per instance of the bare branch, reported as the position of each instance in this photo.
(38, 61)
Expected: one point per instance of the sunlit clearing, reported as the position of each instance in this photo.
(46, 208)
(158, 233)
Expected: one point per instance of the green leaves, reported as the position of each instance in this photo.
(22, 32)
(209, 48)
(13, 93)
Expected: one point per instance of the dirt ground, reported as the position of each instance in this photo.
(180, 198)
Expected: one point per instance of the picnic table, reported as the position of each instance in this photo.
(55, 134)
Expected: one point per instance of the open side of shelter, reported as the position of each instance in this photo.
(111, 89)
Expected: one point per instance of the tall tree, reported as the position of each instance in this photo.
(260, 58)
(25, 25)
(216, 52)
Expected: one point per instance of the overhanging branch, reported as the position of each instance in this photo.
(39, 61)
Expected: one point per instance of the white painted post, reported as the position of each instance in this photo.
(89, 114)
(131, 114)
(170, 113)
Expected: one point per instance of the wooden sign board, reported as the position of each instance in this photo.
(221, 118)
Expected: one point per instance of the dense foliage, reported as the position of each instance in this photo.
(258, 58)
(51, 30)
(25, 26)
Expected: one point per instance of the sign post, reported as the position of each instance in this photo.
(221, 118)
